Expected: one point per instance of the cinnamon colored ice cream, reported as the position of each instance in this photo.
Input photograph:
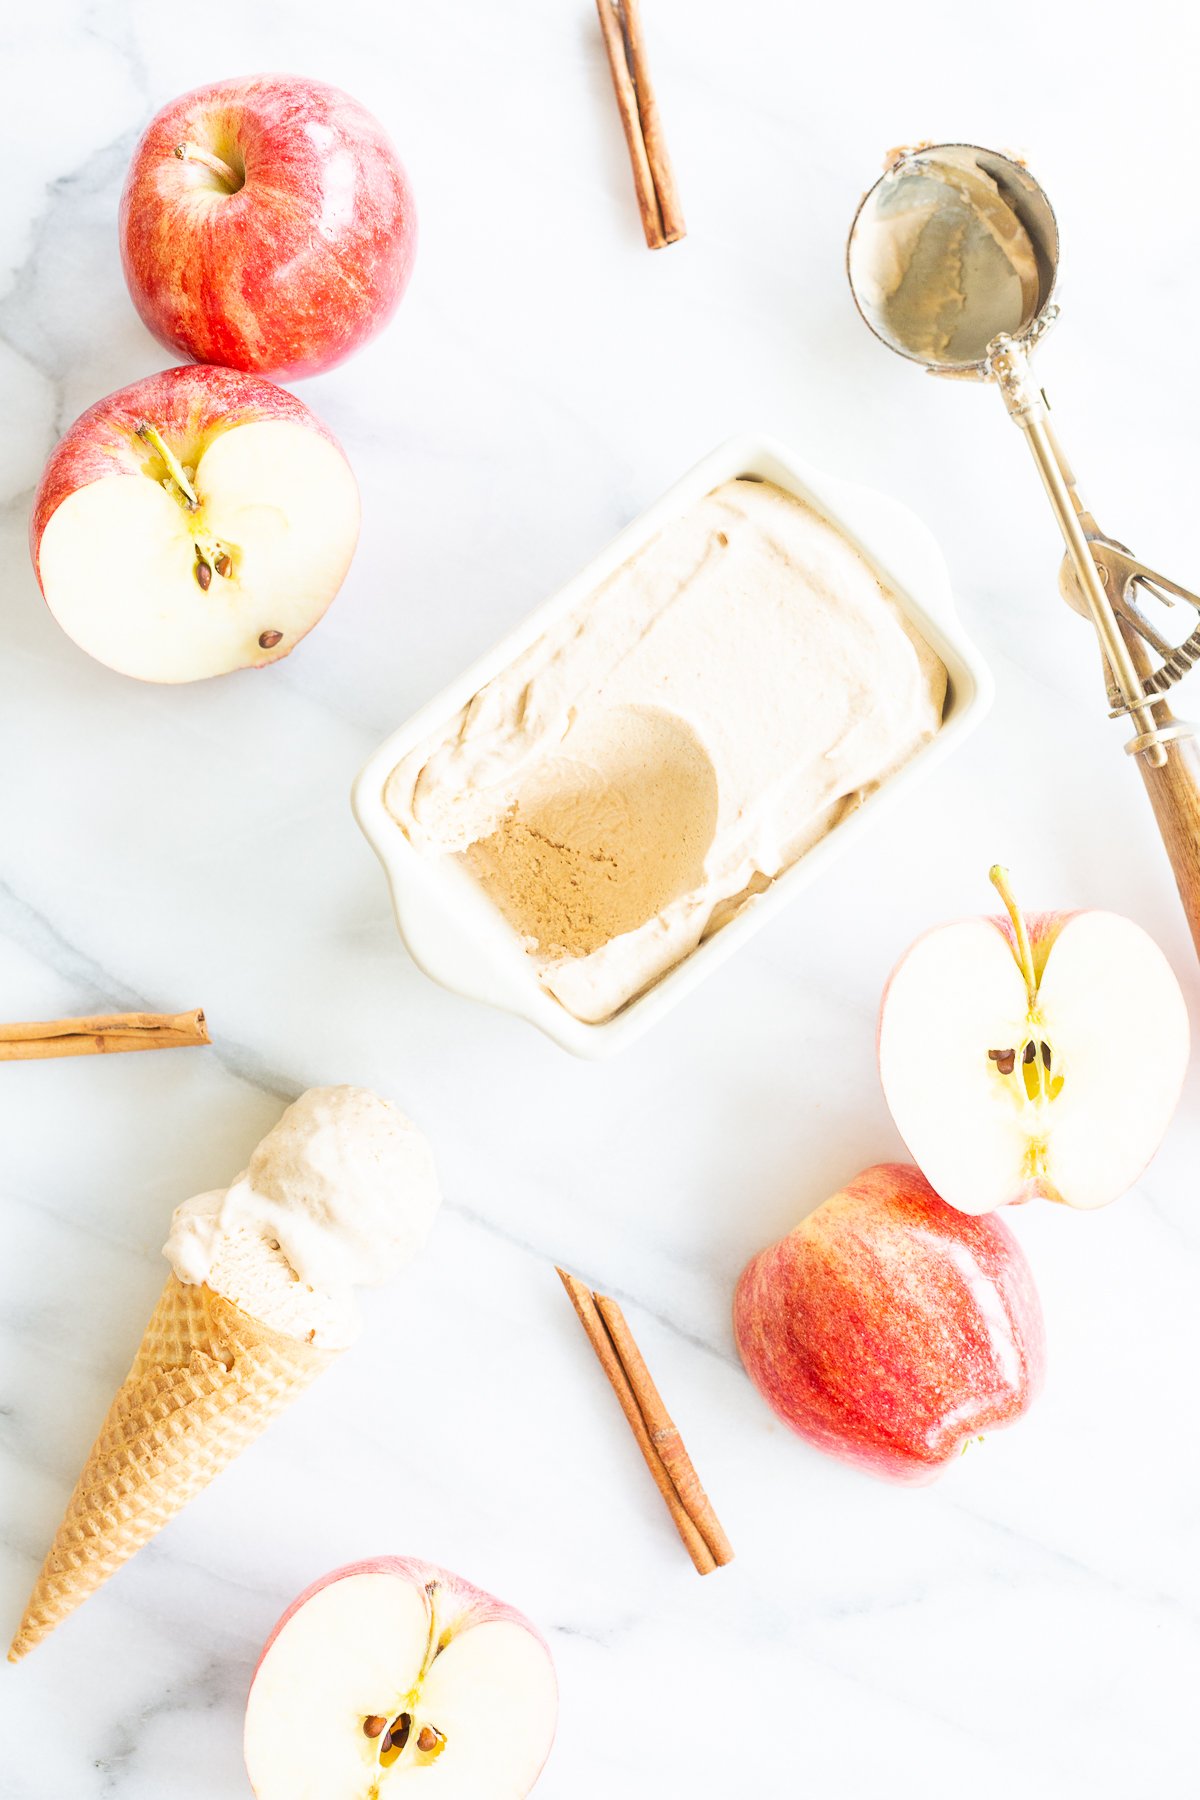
(340, 1194)
(664, 751)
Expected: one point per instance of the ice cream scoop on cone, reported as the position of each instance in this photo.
(258, 1304)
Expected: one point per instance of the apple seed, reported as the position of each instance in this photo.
(268, 639)
(430, 1739)
(203, 575)
(223, 563)
(1005, 1060)
(400, 1728)
(373, 1725)
(1030, 1052)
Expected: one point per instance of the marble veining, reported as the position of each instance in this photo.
(1031, 1624)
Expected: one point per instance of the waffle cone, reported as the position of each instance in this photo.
(207, 1379)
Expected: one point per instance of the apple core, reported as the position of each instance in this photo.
(387, 1671)
(1004, 1052)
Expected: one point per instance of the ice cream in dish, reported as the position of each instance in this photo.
(258, 1303)
(667, 748)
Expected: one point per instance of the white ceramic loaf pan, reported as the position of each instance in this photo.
(453, 931)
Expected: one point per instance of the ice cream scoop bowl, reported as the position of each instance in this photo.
(953, 259)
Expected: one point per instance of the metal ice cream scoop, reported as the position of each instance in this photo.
(952, 259)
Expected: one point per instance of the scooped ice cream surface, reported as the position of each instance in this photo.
(668, 747)
(339, 1194)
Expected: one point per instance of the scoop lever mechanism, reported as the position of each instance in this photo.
(1098, 575)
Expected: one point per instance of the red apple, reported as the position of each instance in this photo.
(395, 1665)
(267, 224)
(889, 1328)
(195, 522)
(1033, 1058)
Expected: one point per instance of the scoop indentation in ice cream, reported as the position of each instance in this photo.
(604, 834)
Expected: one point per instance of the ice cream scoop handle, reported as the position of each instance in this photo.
(1174, 790)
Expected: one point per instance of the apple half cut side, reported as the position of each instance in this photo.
(1033, 1059)
(196, 522)
(388, 1671)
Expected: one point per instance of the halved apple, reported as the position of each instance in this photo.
(196, 522)
(385, 1672)
(1042, 1059)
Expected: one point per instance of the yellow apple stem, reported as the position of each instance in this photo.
(431, 1644)
(998, 876)
(211, 557)
(194, 153)
(175, 468)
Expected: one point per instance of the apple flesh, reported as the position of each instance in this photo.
(889, 1329)
(1033, 1058)
(394, 1674)
(266, 224)
(196, 522)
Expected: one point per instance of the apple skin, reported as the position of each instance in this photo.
(303, 263)
(888, 1329)
(461, 1604)
(188, 406)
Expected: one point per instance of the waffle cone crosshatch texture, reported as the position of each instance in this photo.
(497, 611)
(206, 1380)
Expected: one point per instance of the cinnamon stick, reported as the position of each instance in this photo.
(664, 1434)
(653, 176)
(102, 1035)
(652, 1427)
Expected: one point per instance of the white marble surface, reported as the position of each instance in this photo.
(1028, 1626)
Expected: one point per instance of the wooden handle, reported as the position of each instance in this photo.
(1174, 792)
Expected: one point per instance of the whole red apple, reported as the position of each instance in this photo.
(888, 1328)
(195, 522)
(267, 224)
(396, 1665)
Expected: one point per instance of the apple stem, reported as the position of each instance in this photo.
(175, 468)
(431, 1645)
(195, 153)
(998, 876)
